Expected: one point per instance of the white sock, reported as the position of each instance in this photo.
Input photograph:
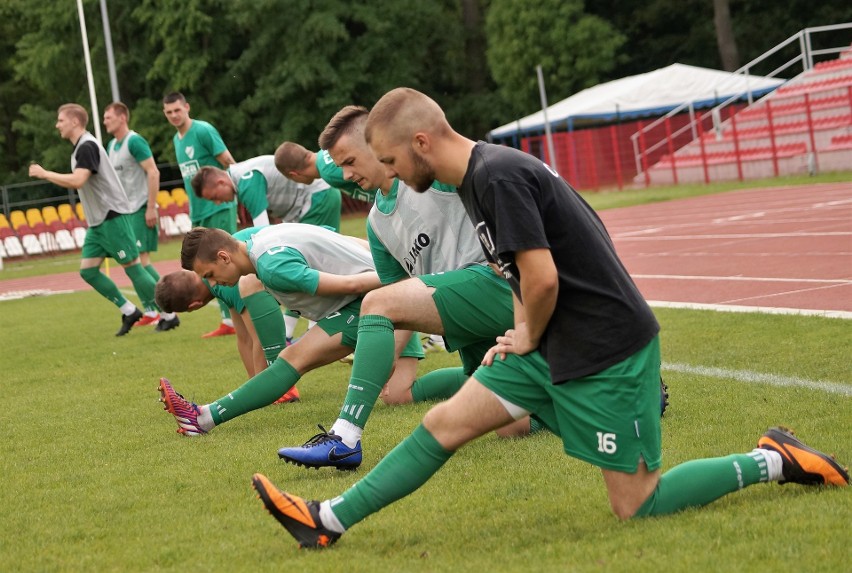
(290, 323)
(205, 420)
(168, 316)
(349, 432)
(328, 519)
(151, 313)
(228, 322)
(127, 308)
(774, 463)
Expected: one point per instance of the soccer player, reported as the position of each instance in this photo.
(583, 353)
(425, 250)
(134, 164)
(107, 210)
(312, 270)
(265, 192)
(304, 166)
(197, 143)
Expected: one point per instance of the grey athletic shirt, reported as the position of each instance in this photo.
(103, 191)
(427, 232)
(323, 251)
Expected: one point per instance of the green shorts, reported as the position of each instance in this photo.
(226, 219)
(147, 239)
(475, 306)
(325, 209)
(610, 419)
(345, 320)
(112, 238)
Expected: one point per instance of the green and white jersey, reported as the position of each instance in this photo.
(230, 295)
(333, 175)
(414, 234)
(199, 147)
(102, 192)
(261, 187)
(125, 156)
(289, 257)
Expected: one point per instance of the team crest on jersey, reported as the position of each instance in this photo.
(190, 151)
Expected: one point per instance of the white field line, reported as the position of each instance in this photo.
(751, 377)
(758, 309)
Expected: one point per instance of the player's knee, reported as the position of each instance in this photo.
(376, 302)
(396, 398)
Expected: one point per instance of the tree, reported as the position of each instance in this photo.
(725, 35)
(574, 49)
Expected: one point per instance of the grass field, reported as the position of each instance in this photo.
(96, 479)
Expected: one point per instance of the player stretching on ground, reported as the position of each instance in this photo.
(309, 269)
(583, 353)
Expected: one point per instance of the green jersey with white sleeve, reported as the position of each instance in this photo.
(289, 257)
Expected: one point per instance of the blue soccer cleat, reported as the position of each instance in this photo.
(323, 450)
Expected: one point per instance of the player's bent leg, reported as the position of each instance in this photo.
(627, 492)
(407, 304)
(314, 349)
(398, 389)
(473, 411)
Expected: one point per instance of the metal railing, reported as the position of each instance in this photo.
(643, 149)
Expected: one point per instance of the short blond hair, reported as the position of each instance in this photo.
(348, 120)
(402, 112)
(76, 111)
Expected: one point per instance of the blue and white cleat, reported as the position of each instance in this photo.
(323, 450)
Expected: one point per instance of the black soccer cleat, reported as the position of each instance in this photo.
(127, 322)
(298, 516)
(803, 464)
(664, 397)
(164, 325)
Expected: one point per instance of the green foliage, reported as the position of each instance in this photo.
(574, 49)
(264, 71)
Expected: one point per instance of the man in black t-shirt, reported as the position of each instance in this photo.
(583, 355)
(107, 210)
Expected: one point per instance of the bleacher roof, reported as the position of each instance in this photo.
(644, 95)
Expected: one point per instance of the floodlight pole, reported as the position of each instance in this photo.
(94, 98)
(547, 134)
(113, 78)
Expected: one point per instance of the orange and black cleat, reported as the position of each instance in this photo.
(803, 464)
(298, 516)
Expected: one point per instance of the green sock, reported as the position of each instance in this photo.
(268, 323)
(408, 466)
(103, 285)
(152, 271)
(698, 482)
(258, 392)
(371, 368)
(143, 283)
(439, 384)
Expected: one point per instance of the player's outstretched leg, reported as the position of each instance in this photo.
(185, 412)
(298, 516)
(801, 463)
(325, 449)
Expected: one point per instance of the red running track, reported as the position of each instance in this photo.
(781, 249)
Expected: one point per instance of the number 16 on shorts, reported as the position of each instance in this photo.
(606, 443)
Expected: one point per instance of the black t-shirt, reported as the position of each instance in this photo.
(518, 203)
(88, 156)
